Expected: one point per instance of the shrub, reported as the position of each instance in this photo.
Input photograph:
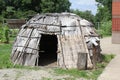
(17, 14)
(105, 28)
(4, 33)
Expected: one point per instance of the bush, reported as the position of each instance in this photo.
(17, 14)
(105, 28)
(1, 19)
(4, 33)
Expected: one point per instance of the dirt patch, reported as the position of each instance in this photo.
(28, 74)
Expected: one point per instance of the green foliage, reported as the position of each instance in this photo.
(107, 3)
(23, 8)
(23, 5)
(10, 9)
(104, 12)
(2, 5)
(106, 28)
(25, 14)
(103, 17)
(86, 15)
(1, 19)
(50, 6)
(107, 58)
(33, 5)
(4, 34)
(11, 13)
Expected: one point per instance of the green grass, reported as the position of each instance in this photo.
(88, 74)
(107, 58)
(5, 50)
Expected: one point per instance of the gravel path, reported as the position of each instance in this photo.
(112, 71)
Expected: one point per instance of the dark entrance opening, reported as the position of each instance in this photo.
(48, 50)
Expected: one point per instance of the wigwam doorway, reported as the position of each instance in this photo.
(48, 50)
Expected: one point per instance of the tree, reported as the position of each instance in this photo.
(31, 5)
(55, 6)
(107, 3)
(24, 4)
(20, 8)
(103, 16)
(104, 10)
(2, 6)
(85, 14)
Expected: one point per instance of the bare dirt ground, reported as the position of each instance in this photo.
(112, 71)
(28, 74)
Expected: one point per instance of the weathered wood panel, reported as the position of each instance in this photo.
(82, 61)
(71, 44)
(15, 23)
(27, 42)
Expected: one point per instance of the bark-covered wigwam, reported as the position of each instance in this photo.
(64, 38)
